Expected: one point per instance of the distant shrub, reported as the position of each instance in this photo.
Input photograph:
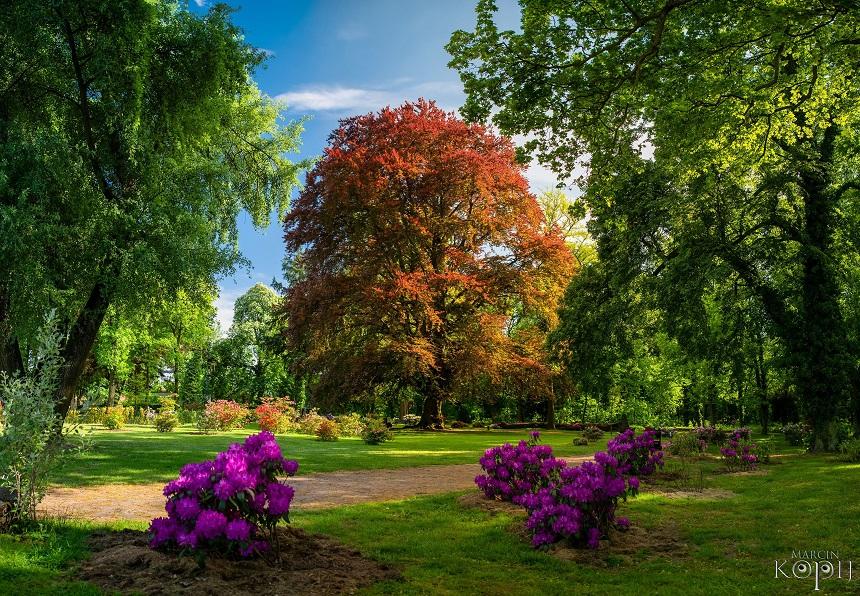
(580, 441)
(114, 418)
(796, 433)
(687, 444)
(850, 451)
(592, 433)
(206, 423)
(459, 424)
(327, 430)
(763, 450)
(309, 423)
(227, 413)
(712, 435)
(350, 425)
(738, 452)
(375, 432)
(410, 420)
(165, 422)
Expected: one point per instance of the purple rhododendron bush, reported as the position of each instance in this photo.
(573, 503)
(230, 504)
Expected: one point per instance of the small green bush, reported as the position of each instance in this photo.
(206, 423)
(763, 449)
(114, 418)
(686, 444)
(581, 441)
(592, 433)
(376, 432)
(327, 430)
(850, 451)
(309, 423)
(165, 422)
(796, 433)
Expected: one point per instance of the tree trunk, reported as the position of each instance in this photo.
(822, 359)
(10, 352)
(431, 413)
(79, 345)
(111, 389)
(550, 408)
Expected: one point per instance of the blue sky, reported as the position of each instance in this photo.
(335, 58)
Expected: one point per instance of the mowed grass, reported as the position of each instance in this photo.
(139, 454)
(441, 547)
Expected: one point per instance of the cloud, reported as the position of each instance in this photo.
(200, 3)
(354, 100)
(224, 305)
(351, 32)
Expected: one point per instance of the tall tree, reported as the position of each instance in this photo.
(751, 109)
(131, 135)
(417, 236)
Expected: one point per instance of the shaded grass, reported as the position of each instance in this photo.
(139, 454)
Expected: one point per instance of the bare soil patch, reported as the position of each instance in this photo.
(310, 564)
(477, 500)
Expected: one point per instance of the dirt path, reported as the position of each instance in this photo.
(109, 502)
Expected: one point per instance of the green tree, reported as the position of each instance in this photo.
(751, 112)
(131, 135)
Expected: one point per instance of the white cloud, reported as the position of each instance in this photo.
(224, 306)
(355, 100)
(351, 32)
(200, 3)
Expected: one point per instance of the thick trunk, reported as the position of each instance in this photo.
(111, 389)
(79, 345)
(431, 413)
(550, 409)
(822, 361)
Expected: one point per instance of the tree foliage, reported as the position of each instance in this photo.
(417, 238)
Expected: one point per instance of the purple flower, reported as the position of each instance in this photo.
(238, 530)
(210, 524)
(280, 496)
(187, 508)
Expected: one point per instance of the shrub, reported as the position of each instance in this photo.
(309, 423)
(230, 504)
(350, 425)
(114, 418)
(513, 471)
(410, 420)
(29, 448)
(712, 435)
(206, 422)
(796, 433)
(375, 432)
(739, 453)
(165, 422)
(327, 430)
(592, 433)
(271, 418)
(687, 444)
(637, 455)
(763, 449)
(227, 413)
(850, 451)
(581, 441)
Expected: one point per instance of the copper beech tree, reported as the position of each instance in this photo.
(415, 240)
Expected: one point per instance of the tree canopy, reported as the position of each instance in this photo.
(416, 238)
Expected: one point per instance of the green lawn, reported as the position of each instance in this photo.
(803, 502)
(139, 454)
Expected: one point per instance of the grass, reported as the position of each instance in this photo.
(139, 454)
(802, 502)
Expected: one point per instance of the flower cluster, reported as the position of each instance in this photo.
(230, 503)
(570, 503)
(739, 452)
(512, 471)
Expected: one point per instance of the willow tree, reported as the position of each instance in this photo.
(417, 237)
(753, 104)
(131, 135)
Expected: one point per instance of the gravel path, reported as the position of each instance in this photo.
(110, 502)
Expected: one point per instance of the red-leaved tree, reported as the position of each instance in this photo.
(413, 242)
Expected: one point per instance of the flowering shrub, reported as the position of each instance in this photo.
(114, 418)
(230, 504)
(578, 505)
(711, 435)
(570, 503)
(206, 422)
(350, 425)
(327, 430)
(513, 471)
(375, 432)
(739, 452)
(271, 418)
(227, 414)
